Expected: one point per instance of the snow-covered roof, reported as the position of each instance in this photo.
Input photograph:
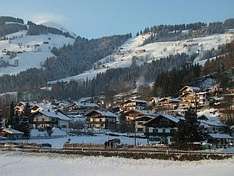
(167, 116)
(190, 88)
(145, 117)
(12, 131)
(170, 117)
(209, 113)
(55, 114)
(212, 122)
(104, 113)
(92, 105)
(220, 136)
(212, 118)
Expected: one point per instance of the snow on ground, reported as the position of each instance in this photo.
(153, 51)
(31, 50)
(98, 139)
(19, 164)
(90, 74)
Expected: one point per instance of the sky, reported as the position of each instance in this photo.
(97, 18)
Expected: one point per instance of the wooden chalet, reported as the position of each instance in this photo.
(192, 97)
(134, 105)
(162, 128)
(101, 119)
(45, 118)
(132, 114)
(140, 123)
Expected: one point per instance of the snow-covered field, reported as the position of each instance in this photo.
(19, 164)
(98, 139)
(153, 51)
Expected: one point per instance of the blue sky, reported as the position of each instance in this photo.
(95, 18)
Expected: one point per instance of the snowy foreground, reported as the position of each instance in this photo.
(18, 164)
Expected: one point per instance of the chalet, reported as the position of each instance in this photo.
(134, 105)
(219, 139)
(211, 124)
(213, 129)
(202, 99)
(86, 104)
(192, 97)
(101, 119)
(131, 115)
(83, 108)
(166, 104)
(140, 123)
(162, 128)
(50, 118)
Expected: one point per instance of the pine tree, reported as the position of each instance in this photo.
(188, 130)
(10, 119)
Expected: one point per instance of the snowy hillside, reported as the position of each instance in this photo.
(134, 48)
(19, 51)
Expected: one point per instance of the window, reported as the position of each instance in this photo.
(155, 130)
(139, 129)
(150, 130)
(160, 130)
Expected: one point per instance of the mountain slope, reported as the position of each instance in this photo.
(24, 46)
(19, 51)
(133, 50)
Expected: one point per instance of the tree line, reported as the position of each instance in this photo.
(185, 31)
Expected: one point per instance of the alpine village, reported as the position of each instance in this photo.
(168, 87)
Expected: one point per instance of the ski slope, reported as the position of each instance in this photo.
(30, 50)
(19, 164)
(134, 48)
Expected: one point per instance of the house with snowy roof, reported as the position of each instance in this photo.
(86, 105)
(140, 122)
(101, 119)
(48, 117)
(133, 104)
(162, 128)
(192, 97)
(213, 129)
(131, 115)
(165, 104)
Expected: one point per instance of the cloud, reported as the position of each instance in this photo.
(47, 17)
